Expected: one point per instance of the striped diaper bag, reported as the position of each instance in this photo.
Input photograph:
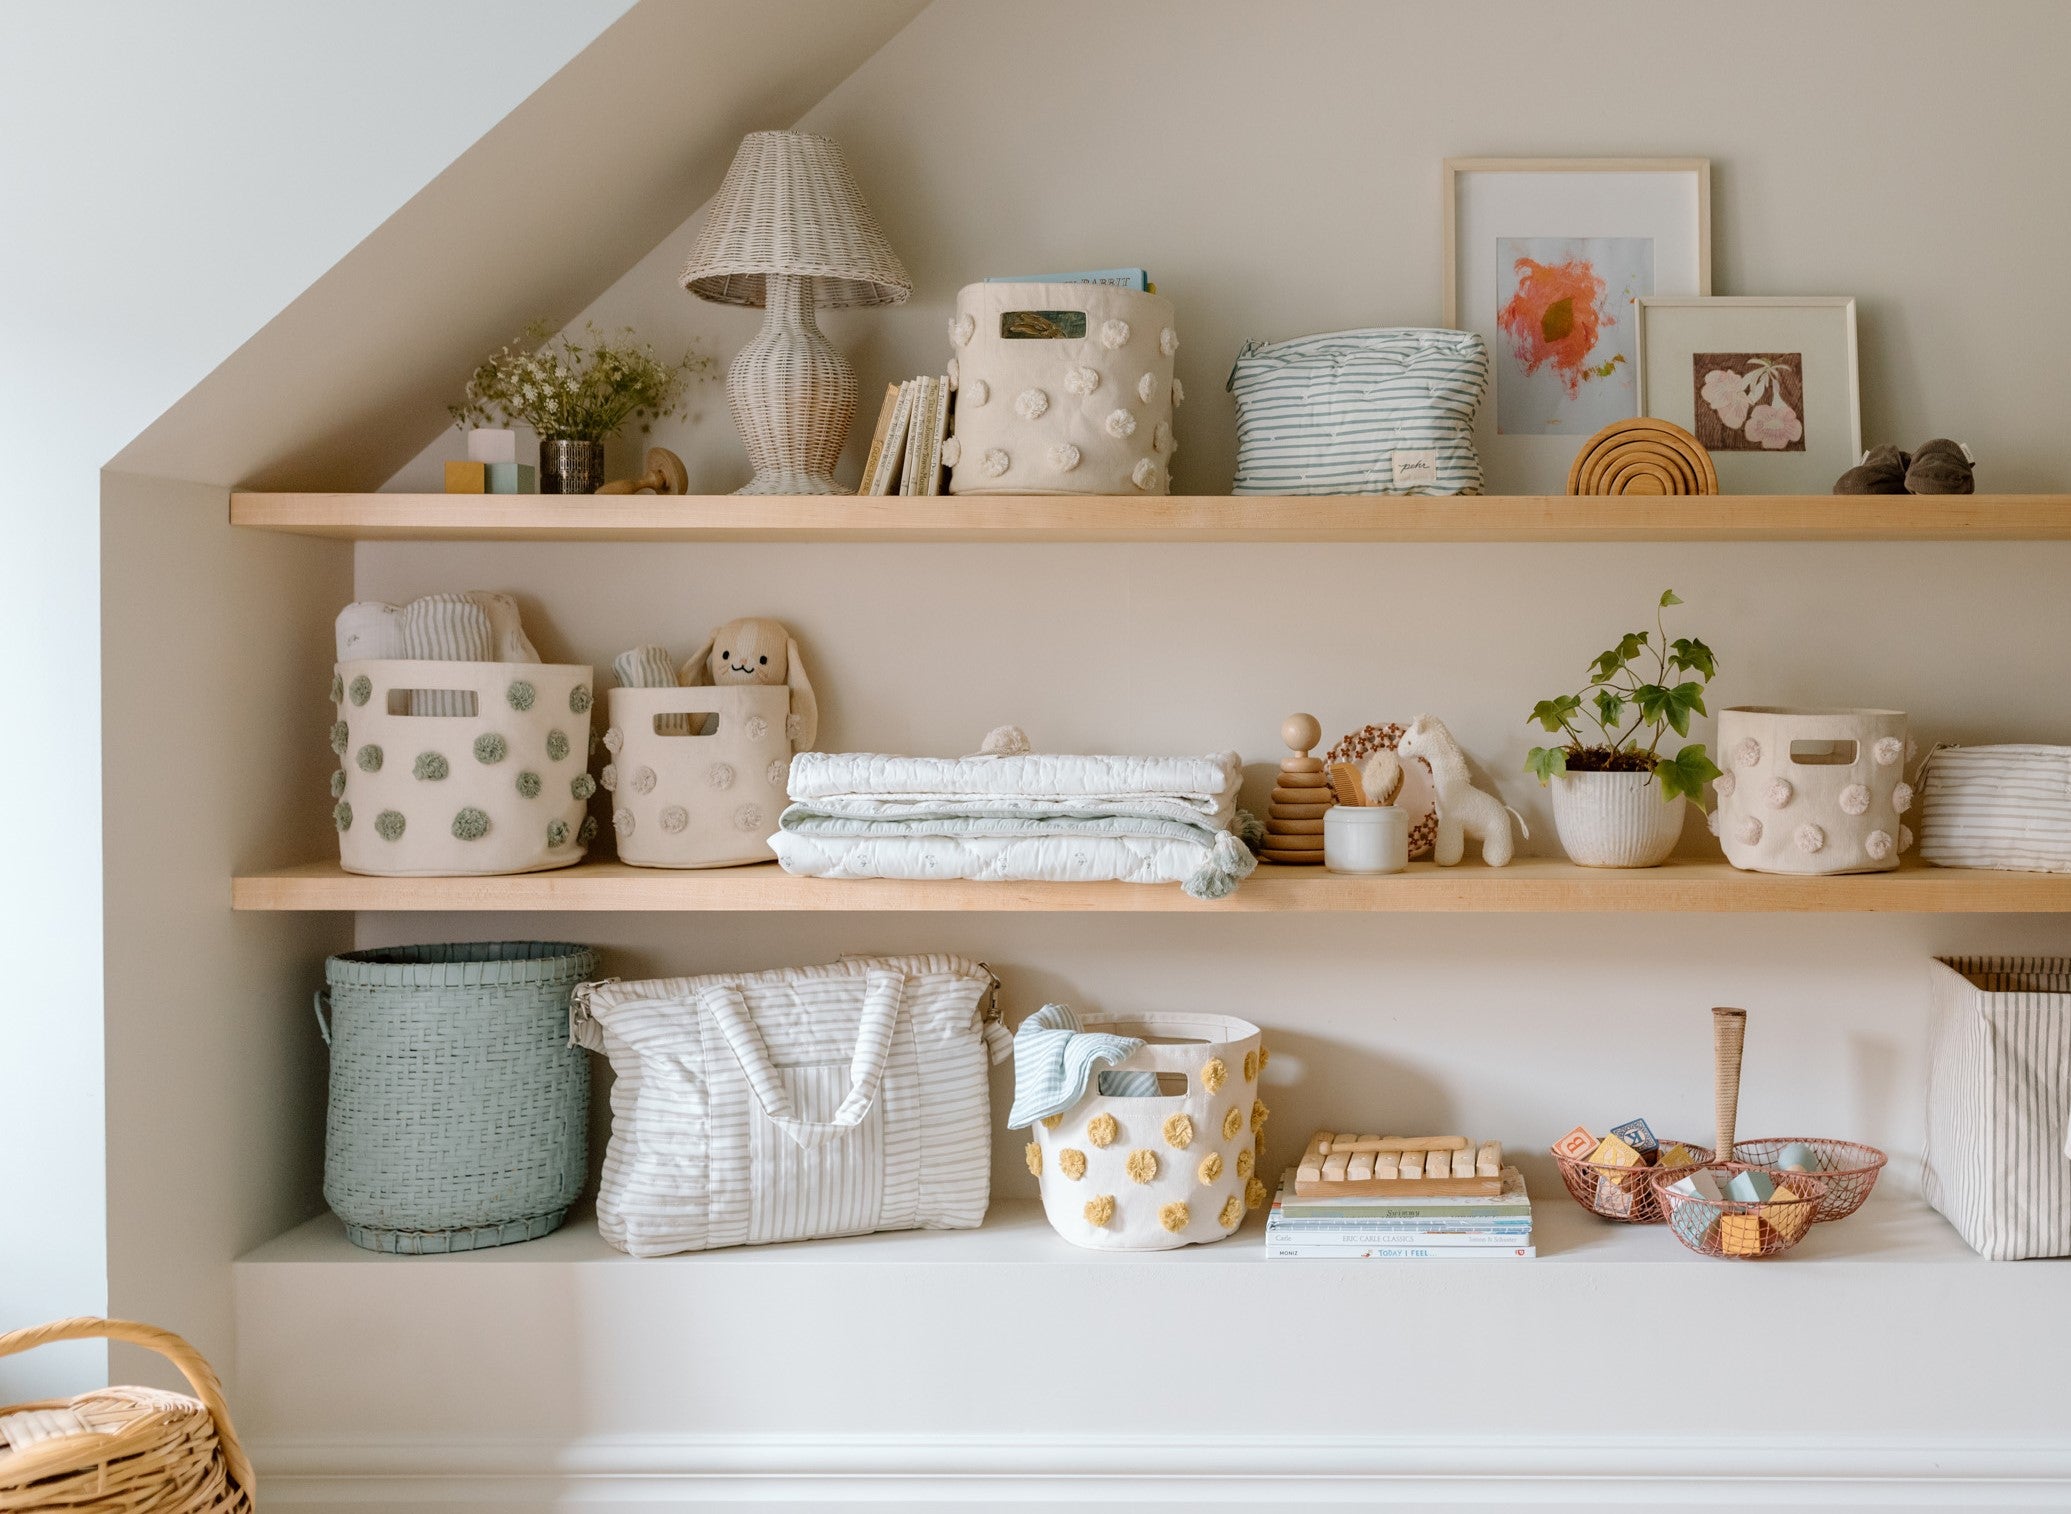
(788, 1105)
(1999, 1103)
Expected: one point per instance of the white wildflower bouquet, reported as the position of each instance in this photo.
(577, 391)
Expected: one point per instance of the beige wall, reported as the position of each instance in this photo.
(214, 763)
(1277, 168)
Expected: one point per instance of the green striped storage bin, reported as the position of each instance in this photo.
(459, 1112)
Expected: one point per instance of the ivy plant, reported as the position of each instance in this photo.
(1638, 691)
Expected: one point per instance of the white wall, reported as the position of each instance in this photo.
(172, 176)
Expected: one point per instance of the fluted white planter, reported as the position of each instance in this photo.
(1615, 819)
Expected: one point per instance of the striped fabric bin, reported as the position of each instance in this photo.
(1360, 412)
(1997, 806)
(1999, 1104)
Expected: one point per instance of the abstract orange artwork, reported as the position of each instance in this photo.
(1564, 364)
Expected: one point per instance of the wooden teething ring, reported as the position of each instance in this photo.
(1642, 456)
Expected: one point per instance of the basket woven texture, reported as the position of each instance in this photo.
(1621, 1193)
(459, 1113)
(1847, 1169)
(122, 1450)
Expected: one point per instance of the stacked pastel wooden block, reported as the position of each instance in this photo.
(492, 465)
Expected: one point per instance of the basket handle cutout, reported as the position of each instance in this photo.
(1839, 753)
(446, 703)
(1142, 1083)
(884, 995)
(688, 723)
(1043, 325)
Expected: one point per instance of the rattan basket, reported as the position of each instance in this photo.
(1847, 1169)
(1738, 1229)
(122, 1450)
(1625, 1194)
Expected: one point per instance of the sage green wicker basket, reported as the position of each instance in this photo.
(459, 1112)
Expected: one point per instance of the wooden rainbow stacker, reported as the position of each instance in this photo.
(1398, 1167)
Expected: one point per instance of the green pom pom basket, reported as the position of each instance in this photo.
(459, 1113)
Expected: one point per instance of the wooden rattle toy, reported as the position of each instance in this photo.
(665, 475)
(1395, 1167)
(1300, 799)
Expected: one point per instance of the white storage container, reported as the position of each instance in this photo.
(1812, 792)
(1162, 1170)
(500, 787)
(1997, 806)
(697, 775)
(1999, 1103)
(1062, 389)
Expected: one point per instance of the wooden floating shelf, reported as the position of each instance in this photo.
(1171, 518)
(1529, 885)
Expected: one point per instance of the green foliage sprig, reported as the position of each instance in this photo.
(577, 391)
(1620, 690)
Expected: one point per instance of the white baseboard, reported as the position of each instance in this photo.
(1029, 1474)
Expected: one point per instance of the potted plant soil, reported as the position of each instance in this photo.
(1617, 801)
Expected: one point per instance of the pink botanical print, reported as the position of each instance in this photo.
(1749, 401)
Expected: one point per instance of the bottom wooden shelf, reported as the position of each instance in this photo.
(1531, 884)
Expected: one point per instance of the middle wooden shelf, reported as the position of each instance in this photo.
(1529, 885)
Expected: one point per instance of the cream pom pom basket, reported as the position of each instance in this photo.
(1166, 1169)
(1062, 389)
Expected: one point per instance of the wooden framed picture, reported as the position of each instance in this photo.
(1543, 259)
(1767, 384)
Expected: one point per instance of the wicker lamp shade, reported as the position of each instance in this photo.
(790, 205)
(789, 231)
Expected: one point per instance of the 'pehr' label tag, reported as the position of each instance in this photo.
(1412, 468)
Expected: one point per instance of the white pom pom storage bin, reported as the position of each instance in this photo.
(1167, 1169)
(459, 1108)
(1062, 389)
(497, 782)
(1812, 792)
(697, 775)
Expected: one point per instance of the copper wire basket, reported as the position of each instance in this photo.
(1738, 1229)
(1625, 1194)
(1846, 1169)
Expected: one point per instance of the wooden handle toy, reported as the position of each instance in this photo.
(1728, 1035)
(1369, 1166)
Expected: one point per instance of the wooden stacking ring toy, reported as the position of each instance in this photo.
(1643, 456)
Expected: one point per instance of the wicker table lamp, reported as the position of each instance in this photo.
(790, 231)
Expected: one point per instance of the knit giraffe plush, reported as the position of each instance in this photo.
(1463, 809)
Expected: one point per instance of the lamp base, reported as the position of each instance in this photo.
(780, 482)
(792, 395)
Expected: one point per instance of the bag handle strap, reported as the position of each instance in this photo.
(884, 995)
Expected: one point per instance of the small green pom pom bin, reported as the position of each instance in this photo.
(459, 1114)
(436, 792)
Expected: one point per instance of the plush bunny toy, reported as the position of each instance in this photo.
(756, 650)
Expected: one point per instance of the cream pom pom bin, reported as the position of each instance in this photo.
(1167, 1169)
(1062, 389)
(499, 785)
(698, 775)
(1812, 792)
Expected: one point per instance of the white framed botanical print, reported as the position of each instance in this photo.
(1543, 259)
(1767, 384)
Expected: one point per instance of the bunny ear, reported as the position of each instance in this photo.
(697, 672)
(805, 708)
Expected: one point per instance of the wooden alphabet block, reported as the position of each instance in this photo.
(1612, 1152)
(1750, 1187)
(1638, 1135)
(1576, 1145)
(1702, 1184)
(1692, 1222)
(1786, 1217)
(1798, 1157)
(467, 478)
(510, 478)
(1677, 1155)
(1740, 1234)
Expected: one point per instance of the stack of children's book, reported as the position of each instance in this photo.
(1422, 1226)
(906, 448)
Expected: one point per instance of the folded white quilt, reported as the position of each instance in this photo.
(1047, 816)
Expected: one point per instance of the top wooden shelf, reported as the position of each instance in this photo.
(1171, 518)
